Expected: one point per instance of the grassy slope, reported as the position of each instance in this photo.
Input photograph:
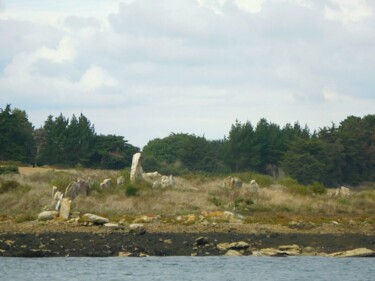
(196, 194)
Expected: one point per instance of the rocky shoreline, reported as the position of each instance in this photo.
(132, 244)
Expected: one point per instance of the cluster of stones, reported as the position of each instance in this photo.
(62, 202)
(154, 178)
(236, 184)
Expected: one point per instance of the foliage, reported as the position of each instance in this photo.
(131, 190)
(16, 136)
(332, 156)
(8, 170)
(13, 185)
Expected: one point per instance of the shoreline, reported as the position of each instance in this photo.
(62, 240)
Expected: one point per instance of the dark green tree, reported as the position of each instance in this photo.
(16, 136)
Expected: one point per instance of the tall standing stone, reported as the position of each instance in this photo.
(66, 204)
(136, 172)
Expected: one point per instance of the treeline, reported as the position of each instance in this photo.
(61, 142)
(333, 155)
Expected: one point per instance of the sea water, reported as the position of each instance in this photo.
(189, 268)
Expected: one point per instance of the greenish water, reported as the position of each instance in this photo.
(188, 268)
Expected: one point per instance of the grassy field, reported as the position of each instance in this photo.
(24, 195)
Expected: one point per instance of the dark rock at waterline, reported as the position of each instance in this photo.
(83, 244)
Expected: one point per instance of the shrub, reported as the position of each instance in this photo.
(8, 186)
(216, 201)
(317, 188)
(131, 190)
(294, 187)
(8, 170)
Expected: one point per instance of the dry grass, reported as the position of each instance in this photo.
(190, 196)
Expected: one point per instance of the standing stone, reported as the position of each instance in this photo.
(136, 171)
(65, 207)
(106, 184)
(254, 187)
(120, 180)
(76, 188)
(54, 190)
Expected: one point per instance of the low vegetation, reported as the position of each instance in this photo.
(23, 196)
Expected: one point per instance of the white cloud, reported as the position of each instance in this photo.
(348, 11)
(65, 52)
(96, 77)
(330, 95)
(186, 66)
(250, 6)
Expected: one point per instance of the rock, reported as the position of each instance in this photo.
(124, 254)
(137, 228)
(47, 215)
(57, 200)
(151, 177)
(232, 182)
(356, 253)
(54, 190)
(106, 184)
(95, 219)
(167, 181)
(76, 188)
(233, 253)
(120, 180)
(113, 225)
(201, 241)
(65, 207)
(342, 192)
(168, 241)
(156, 184)
(191, 219)
(233, 246)
(136, 171)
(290, 250)
(254, 187)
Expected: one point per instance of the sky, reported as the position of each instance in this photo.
(143, 69)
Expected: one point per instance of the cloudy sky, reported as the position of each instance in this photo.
(145, 68)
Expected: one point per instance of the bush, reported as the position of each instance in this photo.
(8, 170)
(294, 187)
(317, 188)
(131, 190)
(8, 186)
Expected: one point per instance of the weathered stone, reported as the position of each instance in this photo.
(232, 182)
(54, 190)
(120, 180)
(254, 187)
(76, 188)
(151, 177)
(342, 192)
(137, 228)
(201, 241)
(113, 225)
(57, 200)
(95, 219)
(241, 245)
(233, 253)
(47, 215)
(124, 254)
(356, 253)
(106, 184)
(65, 207)
(294, 248)
(136, 171)
(167, 181)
